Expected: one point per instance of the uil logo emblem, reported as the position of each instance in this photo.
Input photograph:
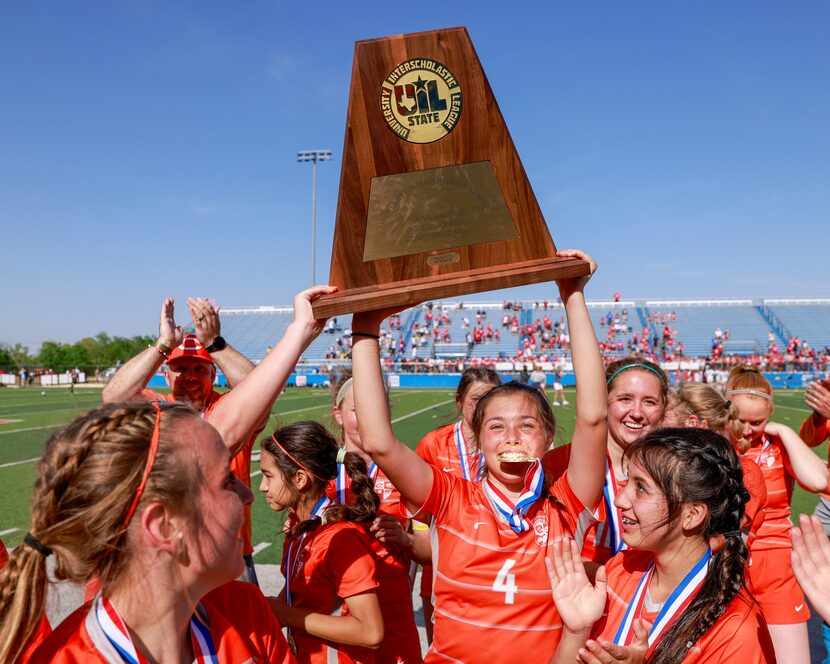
(540, 528)
(421, 100)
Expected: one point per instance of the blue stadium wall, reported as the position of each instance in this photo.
(450, 380)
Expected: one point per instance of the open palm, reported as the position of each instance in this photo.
(580, 603)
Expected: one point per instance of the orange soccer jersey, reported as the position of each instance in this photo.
(449, 450)
(240, 462)
(401, 642)
(322, 569)
(444, 449)
(492, 592)
(241, 624)
(774, 462)
(739, 635)
(770, 574)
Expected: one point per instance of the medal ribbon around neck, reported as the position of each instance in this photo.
(609, 491)
(680, 598)
(514, 514)
(116, 632)
(295, 548)
(343, 483)
(767, 442)
(465, 456)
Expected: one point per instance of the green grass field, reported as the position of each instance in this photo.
(415, 412)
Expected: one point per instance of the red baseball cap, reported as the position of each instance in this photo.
(189, 348)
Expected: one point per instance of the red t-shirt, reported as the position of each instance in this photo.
(739, 635)
(401, 641)
(242, 626)
(240, 462)
(492, 592)
(327, 566)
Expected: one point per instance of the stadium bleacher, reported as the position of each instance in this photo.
(750, 326)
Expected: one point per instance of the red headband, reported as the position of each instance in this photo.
(288, 454)
(151, 457)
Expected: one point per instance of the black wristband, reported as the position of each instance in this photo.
(218, 344)
(367, 335)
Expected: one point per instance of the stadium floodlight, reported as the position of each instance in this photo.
(313, 156)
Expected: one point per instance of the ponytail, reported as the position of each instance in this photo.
(365, 501)
(21, 612)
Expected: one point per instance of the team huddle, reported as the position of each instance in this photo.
(660, 533)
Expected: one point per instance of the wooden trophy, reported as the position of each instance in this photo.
(434, 201)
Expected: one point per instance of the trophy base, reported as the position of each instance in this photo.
(414, 291)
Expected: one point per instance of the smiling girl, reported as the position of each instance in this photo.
(684, 488)
(783, 458)
(491, 538)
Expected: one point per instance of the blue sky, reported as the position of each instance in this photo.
(147, 149)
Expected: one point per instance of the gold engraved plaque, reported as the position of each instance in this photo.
(421, 100)
(437, 208)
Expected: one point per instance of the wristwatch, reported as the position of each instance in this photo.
(218, 344)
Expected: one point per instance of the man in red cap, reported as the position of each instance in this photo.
(190, 370)
(238, 415)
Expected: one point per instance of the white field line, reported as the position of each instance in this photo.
(422, 410)
(3, 533)
(18, 463)
(49, 426)
(256, 472)
(261, 547)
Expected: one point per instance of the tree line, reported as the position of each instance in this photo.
(98, 352)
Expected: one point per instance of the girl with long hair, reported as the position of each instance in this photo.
(329, 602)
(637, 398)
(492, 537)
(783, 459)
(141, 497)
(668, 593)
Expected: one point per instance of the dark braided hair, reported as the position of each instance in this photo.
(315, 448)
(698, 466)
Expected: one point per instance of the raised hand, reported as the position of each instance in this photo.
(811, 562)
(579, 603)
(170, 334)
(571, 285)
(205, 319)
(304, 314)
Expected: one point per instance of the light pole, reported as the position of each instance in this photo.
(313, 156)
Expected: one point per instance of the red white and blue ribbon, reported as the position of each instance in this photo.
(514, 514)
(295, 548)
(609, 491)
(343, 484)
(465, 456)
(116, 632)
(677, 602)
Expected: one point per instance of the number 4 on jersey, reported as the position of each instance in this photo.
(506, 582)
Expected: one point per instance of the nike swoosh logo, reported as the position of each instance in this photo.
(447, 470)
(799, 607)
(484, 523)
